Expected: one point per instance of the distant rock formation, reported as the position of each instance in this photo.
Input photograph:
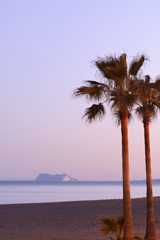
(46, 177)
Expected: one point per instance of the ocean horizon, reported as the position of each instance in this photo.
(17, 192)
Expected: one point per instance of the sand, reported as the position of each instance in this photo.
(67, 221)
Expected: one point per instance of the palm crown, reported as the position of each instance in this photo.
(148, 99)
(116, 88)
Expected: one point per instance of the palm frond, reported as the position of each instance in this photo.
(113, 225)
(140, 112)
(135, 86)
(123, 64)
(156, 102)
(95, 83)
(144, 90)
(95, 92)
(147, 111)
(136, 64)
(110, 225)
(151, 111)
(156, 84)
(112, 67)
(94, 112)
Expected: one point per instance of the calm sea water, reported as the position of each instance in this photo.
(29, 192)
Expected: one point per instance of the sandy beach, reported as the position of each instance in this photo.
(67, 221)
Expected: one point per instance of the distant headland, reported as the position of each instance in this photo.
(46, 177)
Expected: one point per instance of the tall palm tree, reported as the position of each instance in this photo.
(115, 89)
(148, 104)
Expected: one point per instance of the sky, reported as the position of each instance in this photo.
(47, 49)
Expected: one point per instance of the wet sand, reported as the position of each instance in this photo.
(68, 221)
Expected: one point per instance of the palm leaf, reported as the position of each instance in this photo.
(156, 84)
(114, 228)
(156, 102)
(147, 111)
(94, 112)
(140, 111)
(95, 83)
(135, 86)
(113, 225)
(144, 89)
(96, 92)
(151, 111)
(136, 64)
(123, 64)
(112, 67)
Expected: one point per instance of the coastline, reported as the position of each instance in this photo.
(68, 220)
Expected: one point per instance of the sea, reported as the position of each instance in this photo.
(16, 192)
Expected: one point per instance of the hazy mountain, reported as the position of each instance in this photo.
(46, 177)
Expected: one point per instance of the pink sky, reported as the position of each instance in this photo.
(47, 49)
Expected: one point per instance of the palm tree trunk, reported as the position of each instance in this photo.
(150, 227)
(127, 210)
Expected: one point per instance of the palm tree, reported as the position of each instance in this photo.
(118, 78)
(148, 105)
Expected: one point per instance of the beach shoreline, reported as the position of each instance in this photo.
(68, 220)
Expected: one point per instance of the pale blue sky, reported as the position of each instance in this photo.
(46, 50)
